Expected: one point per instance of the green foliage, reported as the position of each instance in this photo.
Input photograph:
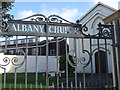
(31, 77)
(6, 6)
(62, 62)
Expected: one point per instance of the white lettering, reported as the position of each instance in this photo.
(29, 28)
(35, 28)
(13, 27)
(24, 27)
(40, 28)
(58, 29)
(51, 29)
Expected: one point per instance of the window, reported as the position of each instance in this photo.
(8, 42)
(33, 51)
(52, 51)
(30, 40)
(14, 42)
(22, 41)
(11, 52)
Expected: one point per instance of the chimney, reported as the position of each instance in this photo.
(119, 5)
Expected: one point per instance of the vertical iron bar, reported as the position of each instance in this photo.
(106, 58)
(39, 48)
(26, 61)
(66, 64)
(6, 43)
(84, 81)
(99, 63)
(36, 62)
(5, 68)
(82, 44)
(117, 29)
(114, 61)
(16, 43)
(15, 79)
(47, 81)
(91, 61)
(76, 62)
(4, 78)
(47, 53)
(57, 58)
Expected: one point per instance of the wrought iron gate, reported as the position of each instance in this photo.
(87, 58)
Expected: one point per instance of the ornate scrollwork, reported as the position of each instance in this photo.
(74, 58)
(6, 60)
(105, 30)
(84, 29)
(85, 62)
(5, 26)
(39, 18)
(106, 33)
(57, 19)
(42, 18)
(15, 60)
(36, 18)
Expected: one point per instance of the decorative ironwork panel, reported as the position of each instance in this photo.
(39, 25)
(104, 31)
(80, 56)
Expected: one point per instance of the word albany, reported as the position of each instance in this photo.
(39, 28)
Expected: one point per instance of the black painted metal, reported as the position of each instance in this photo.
(78, 31)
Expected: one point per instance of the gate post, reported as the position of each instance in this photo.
(0, 17)
(117, 30)
(0, 32)
(115, 77)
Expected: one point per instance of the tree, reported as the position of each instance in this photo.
(6, 6)
(62, 62)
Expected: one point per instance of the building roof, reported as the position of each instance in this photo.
(112, 17)
(43, 42)
(99, 3)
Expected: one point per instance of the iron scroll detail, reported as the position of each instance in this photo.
(14, 60)
(43, 18)
(83, 60)
(104, 31)
(58, 19)
(74, 58)
(55, 25)
(34, 18)
(5, 26)
(6, 60)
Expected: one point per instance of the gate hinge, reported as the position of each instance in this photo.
(116, 45)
